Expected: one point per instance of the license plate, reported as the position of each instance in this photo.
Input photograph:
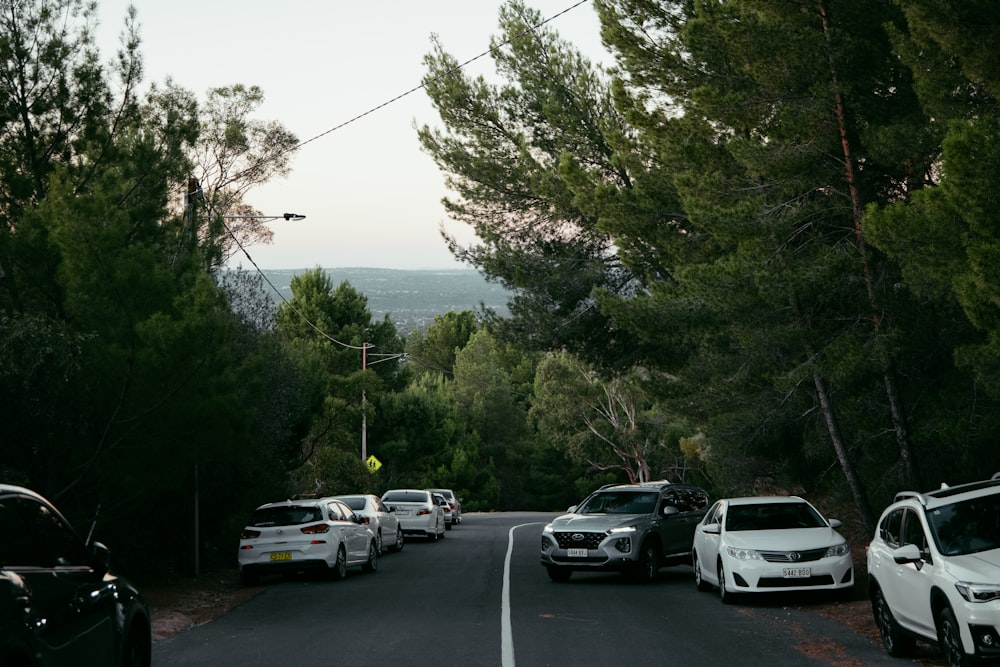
(796, 572)
(402, 512)
(281, 555)
(576, 553)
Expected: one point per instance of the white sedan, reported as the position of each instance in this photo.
(385, 525)
(417, 512)
(769, 544)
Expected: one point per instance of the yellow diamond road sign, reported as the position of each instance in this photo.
(373, 463)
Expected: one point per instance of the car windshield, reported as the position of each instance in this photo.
(286, 516)
(620, 502)
(967, 527)
(772, 516)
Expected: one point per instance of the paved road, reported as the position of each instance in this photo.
(480, 597)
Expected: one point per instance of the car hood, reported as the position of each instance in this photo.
(594, 522)
(980, 567)
(789, 539)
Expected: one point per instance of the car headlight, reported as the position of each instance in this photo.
(837, 550)
(548, 529)
(743, 554)
(978, 592)
(622, 529)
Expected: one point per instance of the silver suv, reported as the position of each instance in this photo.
(632, 528)
(934, 572)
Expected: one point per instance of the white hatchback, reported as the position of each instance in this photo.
(934, 572)
(295, 535)
(769, 544)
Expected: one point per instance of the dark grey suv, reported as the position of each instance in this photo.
(631, 528)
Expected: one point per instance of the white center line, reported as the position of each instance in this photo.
(506, 637)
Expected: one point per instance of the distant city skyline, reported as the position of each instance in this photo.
(371, 197)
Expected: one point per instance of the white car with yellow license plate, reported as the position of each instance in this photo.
(767, 544)
(417, 511)
(298, 535)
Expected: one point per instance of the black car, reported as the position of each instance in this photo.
(59, 602)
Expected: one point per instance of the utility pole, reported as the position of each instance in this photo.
(364, 406)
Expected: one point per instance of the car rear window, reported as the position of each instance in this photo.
(405, 497)
(286, 516)
(354, 502)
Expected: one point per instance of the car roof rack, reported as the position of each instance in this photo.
(910, 494)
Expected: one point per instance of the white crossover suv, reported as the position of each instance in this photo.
(934, 572)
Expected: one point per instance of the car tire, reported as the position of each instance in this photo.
(339, 570)
(645, 569)
(895, 642)
(559, 574)
(137, 646)
(371, 565)
(398, 545)
(447, 525)
(727, 597)
(950, 640)
(699, 581)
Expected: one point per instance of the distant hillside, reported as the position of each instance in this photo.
(411, 297)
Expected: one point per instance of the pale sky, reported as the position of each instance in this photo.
(372, 197)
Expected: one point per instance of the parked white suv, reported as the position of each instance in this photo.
(934, 572)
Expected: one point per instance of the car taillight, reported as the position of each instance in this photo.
(318, 528)
(366, 520)
(248, 534)
(422, 512)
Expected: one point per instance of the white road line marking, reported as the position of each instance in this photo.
(506, 637)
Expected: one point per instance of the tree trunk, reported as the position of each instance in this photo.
(850, 474)
(906, 451)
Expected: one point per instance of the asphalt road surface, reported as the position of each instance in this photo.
(480, 597)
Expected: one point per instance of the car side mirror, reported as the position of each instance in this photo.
(101, 555)
(908, 553)
(670, 511)
(834, 523)
(571, 508)
(711, 529)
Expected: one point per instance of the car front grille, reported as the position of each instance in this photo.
(579, 540)
(793, 556)
(781, 582)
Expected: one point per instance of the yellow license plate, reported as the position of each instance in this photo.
(281, 555)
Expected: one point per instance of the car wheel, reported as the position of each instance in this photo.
(559, 574)
(339, 570)
(699, 580)
(137, 651)
(398, 546)
(894, 640)
(447, 525)
(950, 640)
(378, 540)
(371, 565)
(648, 565)
(727, 597)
